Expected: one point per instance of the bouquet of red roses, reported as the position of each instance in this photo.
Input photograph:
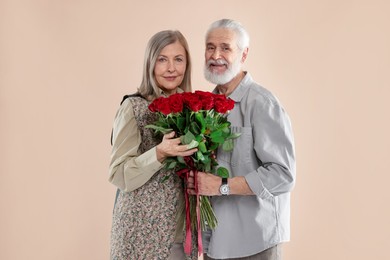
(199, 119)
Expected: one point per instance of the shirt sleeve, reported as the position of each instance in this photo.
(128, 169)
(274, 146)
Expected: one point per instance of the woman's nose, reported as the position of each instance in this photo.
(171, 67)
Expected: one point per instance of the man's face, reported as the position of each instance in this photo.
(223, 58)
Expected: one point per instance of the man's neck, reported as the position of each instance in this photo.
(229, 87)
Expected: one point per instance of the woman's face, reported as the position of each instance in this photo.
(170, 67)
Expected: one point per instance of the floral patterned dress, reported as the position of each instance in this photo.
(144, 220)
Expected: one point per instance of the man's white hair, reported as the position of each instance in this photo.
(243, 36)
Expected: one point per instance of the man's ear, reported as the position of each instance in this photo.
(244, 54)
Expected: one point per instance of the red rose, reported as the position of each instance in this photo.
(163, 106)
(220, 97)
(203, 94)
(176, 103)
(192, 101)
(207, 103)
(230, 104)
(153, 106)
(222, 104)
(207, 99)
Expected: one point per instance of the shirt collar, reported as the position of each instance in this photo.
(240, 90)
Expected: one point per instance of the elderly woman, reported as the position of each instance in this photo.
(148, 214)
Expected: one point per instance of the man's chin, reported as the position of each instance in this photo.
(216, 77)
(218, 71)
(217, 80)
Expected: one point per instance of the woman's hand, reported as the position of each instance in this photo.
(171, 146)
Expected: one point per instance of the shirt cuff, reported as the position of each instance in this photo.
(255, 183)
(149, 160)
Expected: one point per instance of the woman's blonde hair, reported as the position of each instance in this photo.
(149, 88)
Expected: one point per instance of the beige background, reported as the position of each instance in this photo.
(64, 66)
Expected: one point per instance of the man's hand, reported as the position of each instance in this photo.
(208, 184)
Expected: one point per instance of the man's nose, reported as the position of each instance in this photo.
(216, 54)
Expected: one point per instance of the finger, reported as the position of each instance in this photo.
(191, 191)
(169, 135)
(176, 141)
(182, 148)
(185, 147)
(188, 152)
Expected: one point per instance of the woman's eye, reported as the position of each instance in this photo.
(161, 59)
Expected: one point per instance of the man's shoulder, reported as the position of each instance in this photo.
(258, 93)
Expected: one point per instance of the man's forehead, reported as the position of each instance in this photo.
(221, 36)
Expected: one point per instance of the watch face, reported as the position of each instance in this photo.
(224, 189)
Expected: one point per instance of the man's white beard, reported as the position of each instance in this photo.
(221, 79)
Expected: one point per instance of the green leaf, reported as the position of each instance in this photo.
(234, 135)
(224, 125)
(180, 159)
(166, 177)
(199, 138)
(206, 158)
(200, 119)
(213, 146)
(180, 123)
(159, 129)
(228, 145)
(187, 116)
(193, 144)
(218, 139)
(207, 167)
(171, 165)
(202, 147)
(223, 172)
(187, 138)
(200, 156)
(194, 127)
(226, 130)
(216, 133)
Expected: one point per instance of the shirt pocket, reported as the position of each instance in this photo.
(243, 148)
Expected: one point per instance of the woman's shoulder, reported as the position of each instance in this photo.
(131, 105)
(134, 95)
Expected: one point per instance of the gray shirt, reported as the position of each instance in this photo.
(264, 154)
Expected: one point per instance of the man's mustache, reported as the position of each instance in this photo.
(217, 62)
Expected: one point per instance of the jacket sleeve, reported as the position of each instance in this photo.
(128, 169)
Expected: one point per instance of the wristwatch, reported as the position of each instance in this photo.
(224, 188)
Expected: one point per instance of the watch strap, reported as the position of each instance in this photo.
(224, 181)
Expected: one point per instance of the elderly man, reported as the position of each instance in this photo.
(252, 205)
